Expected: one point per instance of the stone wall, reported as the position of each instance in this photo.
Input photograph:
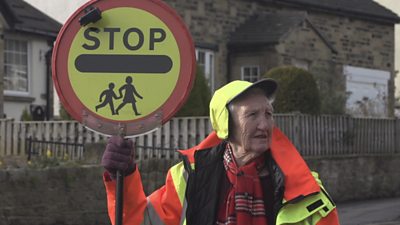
(68, 195)
(55, 196)
(211, 23)
(72, 195)
(359, 43)
(265, 58)
(304, 43)
(359, 177)
(1, 70)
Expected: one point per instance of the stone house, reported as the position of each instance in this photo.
(26, 40)
(347, 44)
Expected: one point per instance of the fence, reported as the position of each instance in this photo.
(179, 133)
(312, 135)
(14, 134)
(340, 135)
(63, 150)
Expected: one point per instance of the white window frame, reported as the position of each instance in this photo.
(248, 77)
(209, 66)
(28, 69)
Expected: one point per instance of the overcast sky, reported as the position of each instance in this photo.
(394, 5)
(60, 10)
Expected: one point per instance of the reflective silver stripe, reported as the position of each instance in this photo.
(150, 216)
(184, 206)
(183, 215)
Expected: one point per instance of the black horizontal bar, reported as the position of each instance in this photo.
(96, 63)
(54, 142)
(156, 148)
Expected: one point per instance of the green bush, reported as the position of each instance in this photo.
(198, 102)
(26, 116)
(297, 90)
(331, 90)
(64, 115)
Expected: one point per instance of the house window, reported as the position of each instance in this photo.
(16, 66)
(250, 73)
(205, 60)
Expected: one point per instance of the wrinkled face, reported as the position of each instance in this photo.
(252, 122)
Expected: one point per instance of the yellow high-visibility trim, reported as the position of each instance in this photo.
(177, 174)
(298, 213)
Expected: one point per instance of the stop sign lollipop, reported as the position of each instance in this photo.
(123, 67)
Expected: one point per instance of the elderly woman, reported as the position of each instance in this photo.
(246, 172)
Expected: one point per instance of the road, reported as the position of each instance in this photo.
(371, 212)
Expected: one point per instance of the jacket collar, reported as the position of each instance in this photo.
(299, 181)
(298, 178)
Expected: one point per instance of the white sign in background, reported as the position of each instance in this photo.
(367, 85)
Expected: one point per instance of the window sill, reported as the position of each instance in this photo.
(14, 98)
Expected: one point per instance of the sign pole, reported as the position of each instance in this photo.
(119, 204)
(119, 191)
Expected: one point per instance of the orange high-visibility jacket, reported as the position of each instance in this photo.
(305, 201)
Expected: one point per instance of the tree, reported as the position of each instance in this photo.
(26, 116)
(297, 90)
(198, 102)
(64, 115)
(331, 88)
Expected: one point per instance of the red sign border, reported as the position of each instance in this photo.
(178, 28)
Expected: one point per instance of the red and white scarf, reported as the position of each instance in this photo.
(244, 204)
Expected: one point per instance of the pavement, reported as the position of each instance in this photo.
(370, 212)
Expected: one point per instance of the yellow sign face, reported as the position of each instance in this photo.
(125, 66)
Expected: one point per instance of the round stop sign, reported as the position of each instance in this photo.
(123, 65)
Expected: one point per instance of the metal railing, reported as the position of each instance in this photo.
(54, 149)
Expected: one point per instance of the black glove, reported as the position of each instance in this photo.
(119, 155)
